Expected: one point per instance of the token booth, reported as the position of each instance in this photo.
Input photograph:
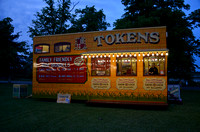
(127, 65)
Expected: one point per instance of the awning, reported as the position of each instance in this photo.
(125, 51)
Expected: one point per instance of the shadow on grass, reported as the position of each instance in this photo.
(128, 106)
(105, 105)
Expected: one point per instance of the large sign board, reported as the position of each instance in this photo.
(126, 83)
(61, 69)
(154, 84)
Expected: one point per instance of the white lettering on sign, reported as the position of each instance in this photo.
(130, 37)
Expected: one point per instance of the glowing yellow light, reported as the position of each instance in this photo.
(157, 54)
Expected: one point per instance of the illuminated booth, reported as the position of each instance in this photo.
(127, 65)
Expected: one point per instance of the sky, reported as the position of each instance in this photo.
(22, 12)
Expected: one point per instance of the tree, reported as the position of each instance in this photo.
(45, 22)
(13, 54)
(51, 20)
(63, 15)
(89, 19)
(180, 41)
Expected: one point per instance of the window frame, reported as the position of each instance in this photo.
(41, 52)
(131, 67)
(106, 62)
(165, 73)
(62, 43)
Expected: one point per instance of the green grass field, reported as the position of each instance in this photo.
(40, 115)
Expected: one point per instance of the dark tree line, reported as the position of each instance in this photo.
(14, 55)
(57, 18)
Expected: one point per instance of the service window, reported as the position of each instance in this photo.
(154, 65)
(41, 48)
(100, 66)
(126, 66)
(62, 47)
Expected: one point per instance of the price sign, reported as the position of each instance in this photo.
(61, 69)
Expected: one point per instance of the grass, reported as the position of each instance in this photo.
(42, 115)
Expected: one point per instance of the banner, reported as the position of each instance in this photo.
(126, 83)
(100, 83)
(154, 84)
(61, 69)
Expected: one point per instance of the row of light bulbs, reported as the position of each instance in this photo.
(134, 60)
(126, 55)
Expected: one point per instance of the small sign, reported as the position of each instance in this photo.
(174, 92)
(154, 84)
(64, 98)
(126, 83)
(100, 83)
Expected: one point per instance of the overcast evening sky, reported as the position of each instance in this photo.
(22, 12)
